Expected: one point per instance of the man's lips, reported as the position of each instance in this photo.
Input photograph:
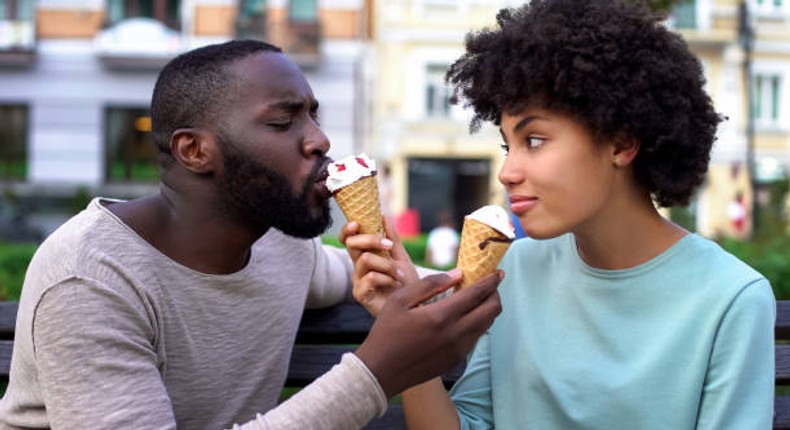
(320, 181)
(520, 204)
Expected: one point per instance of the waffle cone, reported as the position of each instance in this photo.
(360, 202)
(474, 261)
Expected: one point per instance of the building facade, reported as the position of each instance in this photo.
(435, 163)
(745, 50)
(76, 78)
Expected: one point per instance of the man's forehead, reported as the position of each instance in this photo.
(276, 75)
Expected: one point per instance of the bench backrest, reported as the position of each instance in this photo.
(324, 335)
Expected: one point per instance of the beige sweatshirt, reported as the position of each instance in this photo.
(112, 334)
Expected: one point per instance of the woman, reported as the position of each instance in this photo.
(613, 316)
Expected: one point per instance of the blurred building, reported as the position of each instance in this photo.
(76, 78)
(436, 164)
(745, 50)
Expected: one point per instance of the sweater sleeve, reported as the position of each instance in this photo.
(472, 393)
(331, 280)
(739, 385)
(346, 397)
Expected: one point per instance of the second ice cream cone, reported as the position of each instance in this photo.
(482, 247)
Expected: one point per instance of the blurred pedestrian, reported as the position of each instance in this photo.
(442, 246)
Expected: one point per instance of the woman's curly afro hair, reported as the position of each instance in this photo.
(610, 64)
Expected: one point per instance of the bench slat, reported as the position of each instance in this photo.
(782, 364)
(393, 419)
(308, 362)
(782, 329)
(8, 319)
(782, 413)
(346, 323)
(6, 348)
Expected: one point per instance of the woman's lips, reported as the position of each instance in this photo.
(520, 205)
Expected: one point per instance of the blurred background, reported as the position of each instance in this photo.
(76, 78)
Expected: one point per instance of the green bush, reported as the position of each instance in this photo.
(14, 259)
(771, 257)
(415, 246)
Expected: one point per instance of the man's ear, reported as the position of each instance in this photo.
(195, 149)
(624, 150)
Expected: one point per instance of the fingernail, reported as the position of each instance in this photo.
(386, 242)
(501, 274)
(399, 273)
(454, 273)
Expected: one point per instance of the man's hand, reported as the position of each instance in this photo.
(376, 277)
(409, 343)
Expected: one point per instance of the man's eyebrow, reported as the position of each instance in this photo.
(288, 105)
(293, 105)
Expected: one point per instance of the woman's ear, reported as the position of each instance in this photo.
(195, 149)
(625, 150)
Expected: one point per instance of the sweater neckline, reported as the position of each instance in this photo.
(683, 243)
(97, 204)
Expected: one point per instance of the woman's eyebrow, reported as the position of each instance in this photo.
(523, 123)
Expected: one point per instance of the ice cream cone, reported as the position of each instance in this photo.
(482, 247)
(360, 202)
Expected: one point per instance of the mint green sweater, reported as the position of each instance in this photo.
(683, 341)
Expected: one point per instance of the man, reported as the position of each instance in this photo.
(180, 309)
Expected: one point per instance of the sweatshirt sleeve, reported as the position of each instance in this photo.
(331, 280)
(346, 397)
(472, 393)
(739, 385)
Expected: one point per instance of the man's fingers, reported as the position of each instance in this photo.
(429, 286)
(463, 301)
(480, 318)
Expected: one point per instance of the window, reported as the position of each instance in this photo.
(164, 11)
(131, 154)
(767, 90)
(769, 6)
(437, 94)
(16, 10)
(303, 10)
(13, 142)
(252, 8)
(685, 14)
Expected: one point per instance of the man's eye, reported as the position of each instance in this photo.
(281, 125)
(535, 142)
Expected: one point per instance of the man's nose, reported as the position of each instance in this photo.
(315, 141)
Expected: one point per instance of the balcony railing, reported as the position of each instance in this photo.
(301, 40)
(17, 42)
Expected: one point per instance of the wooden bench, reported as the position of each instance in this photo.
(326, 334)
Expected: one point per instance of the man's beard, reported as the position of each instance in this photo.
(262, 197)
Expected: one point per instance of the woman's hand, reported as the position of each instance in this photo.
(376, 277)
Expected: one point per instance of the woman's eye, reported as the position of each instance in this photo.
(534, 142)
(505, 148)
